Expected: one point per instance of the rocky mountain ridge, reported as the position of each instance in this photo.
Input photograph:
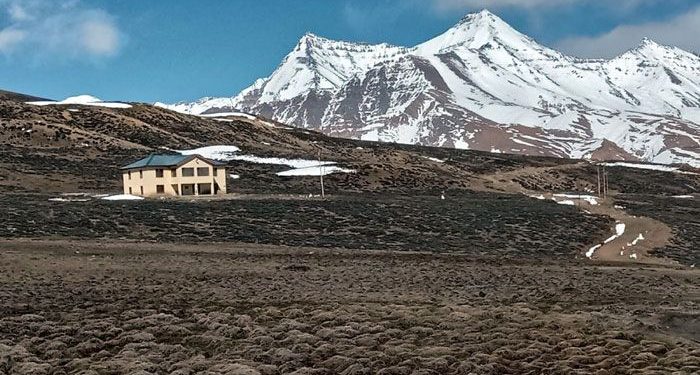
(483, 85)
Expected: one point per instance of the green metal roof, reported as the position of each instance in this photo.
(154, 160)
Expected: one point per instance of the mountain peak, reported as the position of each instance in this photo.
(310, 37)
(484, 18)
(648, 48)
(648, 43)
(474, 31)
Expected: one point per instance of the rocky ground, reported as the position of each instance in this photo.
(486, 224)
(383, 276)
(103, 308)
(681, 213)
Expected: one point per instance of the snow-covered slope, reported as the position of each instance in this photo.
(483, 85)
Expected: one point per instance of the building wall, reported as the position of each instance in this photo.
(146, 179)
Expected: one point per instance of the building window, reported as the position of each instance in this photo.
(129, 175)
(187, 172)
(141, 190)
(160, 189)
(215, 172)
(140, 174)
(203, 171)
(130, 191)
(173, 173)
(159, 173)
(204, 189)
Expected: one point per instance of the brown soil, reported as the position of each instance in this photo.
(113, 308)
(656, 234)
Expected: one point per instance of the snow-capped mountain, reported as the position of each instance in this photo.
(483, 85)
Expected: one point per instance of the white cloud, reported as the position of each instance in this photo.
(17, 12)
(681, 31)
(48, 29)
(9, 38)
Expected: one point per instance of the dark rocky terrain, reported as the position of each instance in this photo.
(383, 276)
(478, 224)
(101, 308)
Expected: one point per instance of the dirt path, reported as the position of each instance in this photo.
(640, 236)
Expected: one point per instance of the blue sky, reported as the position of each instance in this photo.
(181, 50)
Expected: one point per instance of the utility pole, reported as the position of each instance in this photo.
(605, 182)
(320, 169)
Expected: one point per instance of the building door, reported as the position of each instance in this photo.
(187, 189)
(204, 189)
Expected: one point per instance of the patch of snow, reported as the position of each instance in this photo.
(220, 152)
(223, 114)
(540, 197)
(653, 167)
(68, 199)
(122, 197)
(234, 176)
(633, 256)
(317, 170)
(588, 198)
(567, 202)
(433, 159)
(639, 238)
(683, 196)
(82, 100)
(461, 144)
(302, 167)
(294, 163)
(592, 250)
(619, 231)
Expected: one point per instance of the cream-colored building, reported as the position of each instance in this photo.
(174, 175)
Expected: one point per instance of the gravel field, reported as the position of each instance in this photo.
(110, 308)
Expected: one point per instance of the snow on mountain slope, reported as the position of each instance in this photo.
(483, 85)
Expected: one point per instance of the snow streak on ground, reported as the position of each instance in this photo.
(302, 167)
(122, 197)
(592, 250)
(224, 114)
(653, 167)
(639, 238)
(566, 202)
(83, 100)
(619, 231)
(592, 200)
(315, 171)
(213, 152)
(433, 159)
(69, 199)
